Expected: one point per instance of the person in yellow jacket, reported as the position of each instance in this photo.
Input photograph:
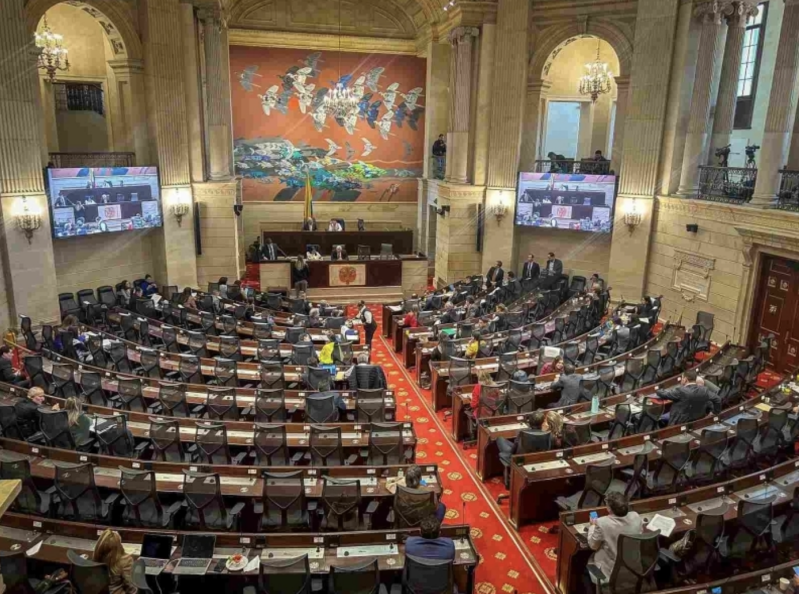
(326, 354)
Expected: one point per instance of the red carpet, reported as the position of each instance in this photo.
(504, 567)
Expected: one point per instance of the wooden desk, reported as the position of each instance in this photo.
(294, 243)
(407, 272)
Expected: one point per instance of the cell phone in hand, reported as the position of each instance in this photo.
(593, 515)
(716, 590)
(796, 570)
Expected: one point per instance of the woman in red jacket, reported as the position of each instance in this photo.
(411, 319)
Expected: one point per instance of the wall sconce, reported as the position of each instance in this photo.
(632, 216)
(180, 207)
(499, 209)
(442, 211)
(28, 217)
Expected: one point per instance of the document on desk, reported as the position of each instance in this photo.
(554, 465)
(662, 523)
(34, 549)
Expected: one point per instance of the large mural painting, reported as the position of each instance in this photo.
(283, 133)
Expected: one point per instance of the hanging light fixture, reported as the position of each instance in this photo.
(53, 57)
(596, 81)
(340, 101)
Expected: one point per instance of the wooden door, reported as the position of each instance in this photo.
(777, 311)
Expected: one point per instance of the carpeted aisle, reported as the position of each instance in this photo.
(503, 567)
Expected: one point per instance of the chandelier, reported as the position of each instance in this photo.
(340, 102)
(596, 81)
(53, 57)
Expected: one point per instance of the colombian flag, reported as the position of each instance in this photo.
(308, 212)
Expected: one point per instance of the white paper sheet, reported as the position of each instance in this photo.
(662, 523)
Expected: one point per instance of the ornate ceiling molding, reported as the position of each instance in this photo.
(316, 41)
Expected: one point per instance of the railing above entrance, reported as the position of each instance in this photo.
(75, 160)
(726, 184)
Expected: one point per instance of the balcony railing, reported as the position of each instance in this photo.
(788, 197)
(76, 160)
(587, 167)
(726, 184)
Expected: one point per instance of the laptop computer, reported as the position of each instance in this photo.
(156, 549)
(196, 554)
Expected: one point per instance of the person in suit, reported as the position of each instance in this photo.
(7, 372)
(513, 287)
(27, 411)
(271, 250)
(603, 533)
(495, 275)
(570, 386)
(430, 545)
(554, 266)
(531, 269)
(694, 398)
(339, 253)
(310, 224)
(449, 314)
(334, 225)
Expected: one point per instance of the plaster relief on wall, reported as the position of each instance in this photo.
(692, 275)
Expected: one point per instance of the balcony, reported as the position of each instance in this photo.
(586, 167)
(788, 196)
(734, 185)
(78, 160)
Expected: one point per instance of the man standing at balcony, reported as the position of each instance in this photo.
(440, 153)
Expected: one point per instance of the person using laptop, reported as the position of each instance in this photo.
(108, 550)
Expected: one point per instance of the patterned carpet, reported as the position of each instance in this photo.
(506, 556)
(503, 566)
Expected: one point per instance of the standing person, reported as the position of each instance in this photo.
(570, 384)
(299, 275)
(495, 276)
(271, 250)
(531, 269)
(554, 266)
(691, 400)
(109, 550)
(368, 320)
(440, 153)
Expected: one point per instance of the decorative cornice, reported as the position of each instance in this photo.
(320, 41)
(463, 35)
(736, 12)
(708, 11)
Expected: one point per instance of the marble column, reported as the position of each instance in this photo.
(436, 114)
(622, 98)
(218, 109)
(191, 72)
(482, 116)
(28, 283)
(735, 13)
(781, 109)
(132, 103)
(534, 112)
(696, 140)
(462, 40)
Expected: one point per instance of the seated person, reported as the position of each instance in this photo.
(603, 534)
(694, 398)
(437, 353)
(109, 551)
(537, 421)
(413, 480)
(571, 388)
(366, 376)
(472, 308)
(554, 366)
(473, 348)
(430, 545)
(339, 253)
(334, 225)
(449, 314)
(313, 320)
(411, 319)
(8, 374)
(310, 224)
(513, 287)
(187, 298)
(79, 423)
(483, 379)
(149, 286)
(27, 410)
(361, 225)
(313, 253)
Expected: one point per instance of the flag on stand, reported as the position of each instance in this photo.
(308, 212)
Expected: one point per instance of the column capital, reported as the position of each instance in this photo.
(736, 12)
(214, 15)
(708, 11)
(538, 86)
(126, 67)
(622, 82)
(463, 34)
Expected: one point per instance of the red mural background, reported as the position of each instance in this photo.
(275, 152)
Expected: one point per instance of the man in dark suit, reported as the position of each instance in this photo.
(309, 224)
(554, 266)
(531, 269)
(430, 545)
(495, 275)
(691, 400)
(366, 376)
(571, 388)
(7, 372)
(339, 253)
(514, 288)
(27, 410)
(271, 250)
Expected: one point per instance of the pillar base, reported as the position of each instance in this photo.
(774, 147)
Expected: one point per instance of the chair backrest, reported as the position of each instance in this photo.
(269, 350)
(597, 480)
(150, 361)
(271, 446)
(14, 569)
(325, 446)
(636, 560)
(492, 399)
(107, 296)
(520, 397)
(427, 576)
(753, 526)
(173, 400)
(318, 378)
(370, 405)
(113, 436)
(221, 404)
(34, 367)
(87, 576)
(165, 439)
(270, 406)
(287, 576)
(9, 426)
(29, 500)
(321, 408)
(411, 506)
(138, 488)
(212, 444)
(303, 354)
(672, 464)
(293, 334)
(130, 394)
(203, 492)
(533, 441)
(460, 371)
(283, 499)
(190, 370)
(55, 428)
(230, 347)
(385, 444)
(341, 499)
(272, 375)
(226, 372)
(576, 434)
(75, 486)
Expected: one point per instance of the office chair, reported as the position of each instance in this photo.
(94, 342)
(226, 372)
(303, 354)
(325, 446)
(221, 405)
(577, 433)
(206, 508)
(318, 378)
(270, 446)
(131, 398)
(370, 406)
(118, 353)
(76, 496)
(9, 424)
(212, 444)
(598, 482)
(751, 536)
(88, 576)
(198, 342)
(141, 505)
(150, 361)
(708, 463)
(283, 507)
(230, 347)
(54, 425)
(67, 305)
(520, 397)
(30, 499)
(341, 506)
(289, 576)
(91, 388)
(636, 562)
(386, 445)
(432, 576)
(63, 378)
(272, 375)
(172, 398)
(115, 439)
(670, 469)
(165, 440)
(411, 506)
(360, 578)
(619, 426)
(270, 406)
(321, 408)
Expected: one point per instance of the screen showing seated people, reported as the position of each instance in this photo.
(566, 201)
(88, 201)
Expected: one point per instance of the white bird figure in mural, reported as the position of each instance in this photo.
(368, 147)
(384, 125)
(269, 99)
(373, 77)
(332, 147)
(390, 95)
(305, 96)
(302, 74)
(349, 123)
(246, 77)
(411, 97)
(319, 116)
(358, 89)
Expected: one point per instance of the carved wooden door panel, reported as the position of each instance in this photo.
(777, 311)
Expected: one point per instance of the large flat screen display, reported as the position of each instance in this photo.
(88, 201)
(566, 201)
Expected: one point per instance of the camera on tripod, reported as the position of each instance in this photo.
(723, 155)
(750, 151)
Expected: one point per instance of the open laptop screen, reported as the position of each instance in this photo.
(198, 546)
(156, 546)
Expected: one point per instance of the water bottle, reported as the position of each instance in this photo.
(594, 404)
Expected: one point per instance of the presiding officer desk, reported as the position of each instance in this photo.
(23, 532)
(294, 243)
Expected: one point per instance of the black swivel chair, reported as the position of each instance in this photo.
(206, 508)
(283, 507)
(76, 496)
(88, 576)
(141, 506)
(635, 565)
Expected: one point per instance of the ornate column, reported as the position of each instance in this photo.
(218, 109)
(710, 14)
(191, 73)
(534, 112)
(781, 109)
(462, 40)
(622, 97)
(132, 99)
(735, 14)
(27, 269)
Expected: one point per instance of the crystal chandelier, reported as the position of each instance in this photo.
(53, 57)
(340, 101)
(597, 81)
